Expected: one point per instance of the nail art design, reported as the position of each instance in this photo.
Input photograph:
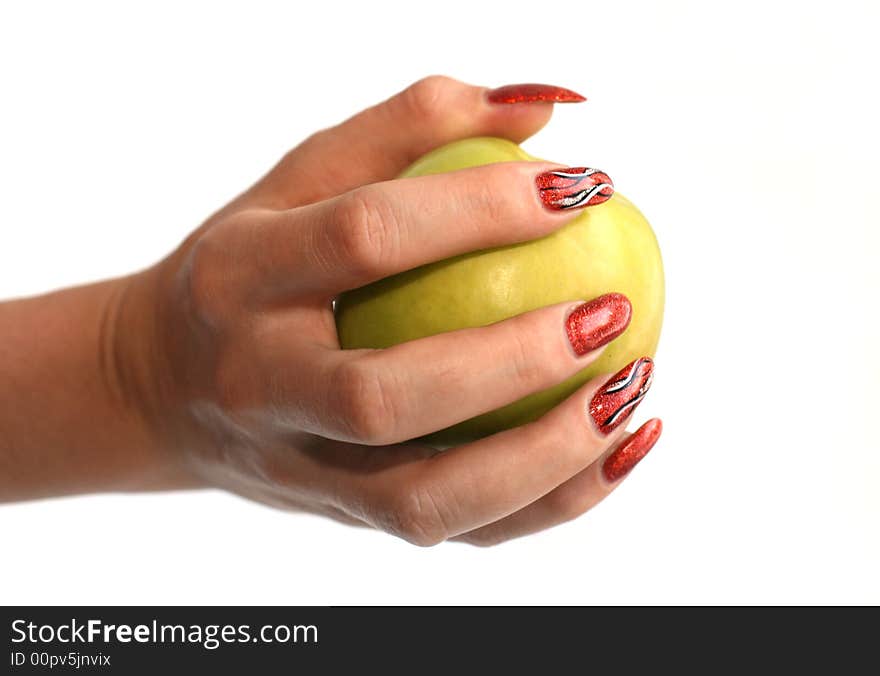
(618, 398)
(533, 93)
(630, 452)
(593, 324)
(574, 188)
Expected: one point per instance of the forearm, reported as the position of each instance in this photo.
(73, 418)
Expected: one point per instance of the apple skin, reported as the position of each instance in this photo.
(607, 247)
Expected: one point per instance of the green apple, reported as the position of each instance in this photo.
(607, 247)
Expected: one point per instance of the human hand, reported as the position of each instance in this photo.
(229, 345)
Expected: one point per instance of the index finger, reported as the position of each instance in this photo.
(390, 227)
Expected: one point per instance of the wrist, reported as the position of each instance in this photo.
(140, 380)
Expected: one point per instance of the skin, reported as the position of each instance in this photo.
(220, 365)
(464, 292)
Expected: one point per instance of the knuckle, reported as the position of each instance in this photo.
(313, 146)
(488, 200)
(423, 99)
(493, 206)
(366, 230)
(535, 356)
(365, 402)
(417, 516)
(203, 279)
(529, 366)
(480, 193)
(229, 387)
(569, 504)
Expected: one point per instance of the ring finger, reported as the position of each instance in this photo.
(465, 488)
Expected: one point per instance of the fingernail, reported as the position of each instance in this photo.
(630, 452)
(617, 399)
(533, 93)
(593, 324)
(574, 188)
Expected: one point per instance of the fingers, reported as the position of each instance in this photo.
(380, 142)
(425, 385)
(473, 485)
(379, 230)
(379, 397)
(577, 495)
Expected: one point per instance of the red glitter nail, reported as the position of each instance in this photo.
(630, 452)
(593, 324)
(533, 93)
(617, 399)
(574, 188)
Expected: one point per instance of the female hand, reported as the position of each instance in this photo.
(229, 345)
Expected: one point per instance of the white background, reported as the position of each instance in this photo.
(746, 133)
